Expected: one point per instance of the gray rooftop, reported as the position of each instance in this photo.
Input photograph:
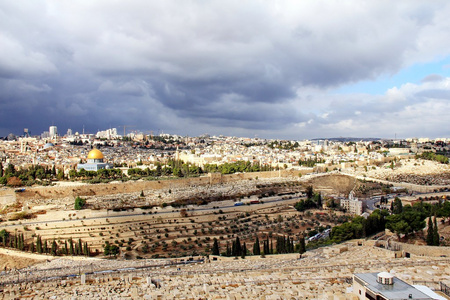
(398, 290)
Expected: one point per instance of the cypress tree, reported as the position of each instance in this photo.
(66, 251)
(244, 250)
(215, 249)
(22, 242)
(430, 231)
(435, 233)
(38, 244)
(397, 206)
(267, 250)
(40, 249)
(4, 237)
(71, 250)
(85, 249)
(54, 248)
(237, 247)
(302, 248)
(319, 201)
(256, 248)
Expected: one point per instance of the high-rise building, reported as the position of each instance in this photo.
(69, 132)
(53, 131)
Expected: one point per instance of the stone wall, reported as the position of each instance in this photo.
(420, 250)
(408, 186)
(57, 192)
(435, 251)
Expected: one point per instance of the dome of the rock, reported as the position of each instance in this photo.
(95, 154)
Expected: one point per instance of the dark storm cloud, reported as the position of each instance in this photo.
(222, 67)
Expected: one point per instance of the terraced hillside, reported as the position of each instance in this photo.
(173, 232)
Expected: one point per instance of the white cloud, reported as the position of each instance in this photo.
(17, 61)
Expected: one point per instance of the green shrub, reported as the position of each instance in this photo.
(79, 203)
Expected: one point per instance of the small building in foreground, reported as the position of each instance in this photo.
(384, 286)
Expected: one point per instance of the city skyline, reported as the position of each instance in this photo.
(287, 70)
(114, 133)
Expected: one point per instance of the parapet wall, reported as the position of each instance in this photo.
(424, 250)
(420, 250)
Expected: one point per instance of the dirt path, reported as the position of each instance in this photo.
(11, 259)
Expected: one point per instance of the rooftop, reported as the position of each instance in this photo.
(398, 290)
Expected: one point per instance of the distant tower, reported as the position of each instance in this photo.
(69, 132)
(53, 131)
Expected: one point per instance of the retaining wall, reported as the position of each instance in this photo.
(56, 192)
(436, 251)
(420, 250)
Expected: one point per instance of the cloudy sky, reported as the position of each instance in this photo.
(274, 69)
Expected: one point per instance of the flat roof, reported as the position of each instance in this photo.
(398, 290)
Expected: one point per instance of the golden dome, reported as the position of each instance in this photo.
(95, 154)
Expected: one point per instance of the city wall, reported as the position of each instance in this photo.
(330, 167)
(57, 192)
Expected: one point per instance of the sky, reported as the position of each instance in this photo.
(272, 69)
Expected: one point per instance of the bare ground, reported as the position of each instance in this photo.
(334, 184)
(9, 261)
